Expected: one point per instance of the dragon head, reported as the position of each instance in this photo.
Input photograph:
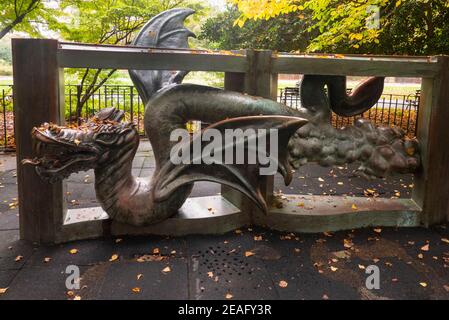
(61, 151)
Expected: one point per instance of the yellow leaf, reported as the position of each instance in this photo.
(257, 238)
(420, 256)
(398, 3)
(210, 274)
(361, 266)
(136, 290)
(166, 269)
(423, 284)
(229, 296)
(334, 268)
(73, 251)
(445, 240)
(76, 141)
(18, 258)
(3, 290)
(425, 247)
(283, 284)
(249, 253)
(378, 230)
(77, 298)
(139, 276)
(113, 257)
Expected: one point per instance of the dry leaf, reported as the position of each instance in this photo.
(47, 259)
(238, 231)
(229, 296)
(139, 276)
(249, 253)
(166, 269)
(118, 240)
(423, 284)
(420, 256)
(136, 290)
(18, 258)
(377, 230)
(257, 238)
(361, 266)
(3, 290)
(321, 179)
(210, 274)
(446, 287)
(354, 207)
(283, 284)
(425, 247)
(297, 250)
(77, 298)
(445, 240)
(334, 268)
(325, 297)
(113, 257)
(156, 251)
(73, 251)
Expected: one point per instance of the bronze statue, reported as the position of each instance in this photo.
(108, 145)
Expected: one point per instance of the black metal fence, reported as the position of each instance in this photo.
(391, 109)
(399, 110)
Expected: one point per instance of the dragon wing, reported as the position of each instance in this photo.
(165, 30)
(242, 177)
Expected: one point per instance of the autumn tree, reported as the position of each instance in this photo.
(370, 26)
(106, 22)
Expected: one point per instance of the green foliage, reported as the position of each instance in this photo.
(405, 26)
(30, 16)
(284, 33)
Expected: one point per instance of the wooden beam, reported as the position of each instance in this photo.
(432, 183)
(355, 65)
(107, 57)
(37, 96)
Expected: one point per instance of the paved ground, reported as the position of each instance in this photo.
(250, 263)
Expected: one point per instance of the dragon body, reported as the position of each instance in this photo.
(109, 145)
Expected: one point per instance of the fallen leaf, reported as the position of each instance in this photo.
(47, 259)
(136, 290)
(18, 258)
(361, 266)
(166, 269)
(113, 257)
(73, 251)
(118, 240)
(445, 240)
(394, 280)
(3, 290)
(210, 274)
(420, 256)
(257, 238)
(334, 268)
(425, 247)
(77, 298)
(325, 297)
(423, 284)
(321, 179)
(76, 141)
(229, 296)
(283, 284)
(156, 251)
(297, 250)
(354, 207)
(249, 253)
(139, 276)
(238, 231)
(446, 287)
(377, 230)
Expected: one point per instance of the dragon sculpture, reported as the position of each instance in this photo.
(108, 145)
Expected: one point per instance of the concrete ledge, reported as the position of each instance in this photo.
(217, 215)
(303, 213)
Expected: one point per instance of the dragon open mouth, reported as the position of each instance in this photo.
(61, 151)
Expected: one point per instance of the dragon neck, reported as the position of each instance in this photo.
(114, 180)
